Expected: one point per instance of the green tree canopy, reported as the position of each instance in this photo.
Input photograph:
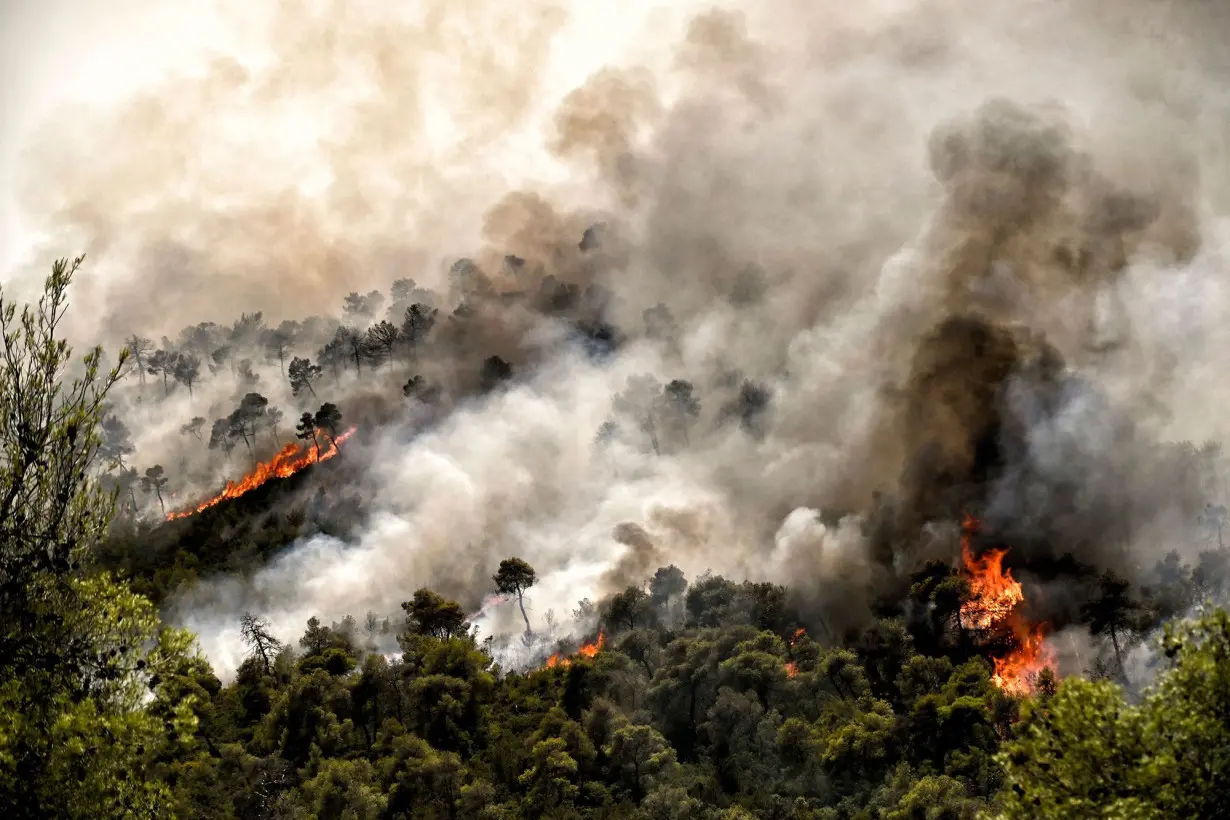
(78, 653)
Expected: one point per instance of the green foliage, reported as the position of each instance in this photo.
(434, 616)
(1087, 752)
(78, 754)
(690, 722)
(85, 666)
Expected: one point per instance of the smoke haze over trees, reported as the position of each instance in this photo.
(722, 338)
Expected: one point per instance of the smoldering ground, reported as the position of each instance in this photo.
(969, 253)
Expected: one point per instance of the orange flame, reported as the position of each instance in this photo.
(994, 607)
(994, 593)
(792, 668)
(290, 460)
(588, 650)
(1017, 671)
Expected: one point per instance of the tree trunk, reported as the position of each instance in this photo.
(521, 603)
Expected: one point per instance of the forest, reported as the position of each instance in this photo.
(703, 411)
(675, 697)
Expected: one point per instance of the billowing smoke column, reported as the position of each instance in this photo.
(912, 260)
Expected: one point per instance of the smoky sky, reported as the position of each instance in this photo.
(973, 253)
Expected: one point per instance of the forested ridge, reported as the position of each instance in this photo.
(693, 698)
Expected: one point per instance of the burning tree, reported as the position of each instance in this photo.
(586, 650)
(993, 608)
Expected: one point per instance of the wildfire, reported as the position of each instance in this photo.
(994, 607)
(792, 668)
(290, 460)
(588, 650)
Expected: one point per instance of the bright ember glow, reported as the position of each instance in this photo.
(588, 650)
(994, 608)
(290, 460)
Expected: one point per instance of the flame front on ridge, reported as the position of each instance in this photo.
(290, 460)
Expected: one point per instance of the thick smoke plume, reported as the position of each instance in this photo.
(914, 259)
